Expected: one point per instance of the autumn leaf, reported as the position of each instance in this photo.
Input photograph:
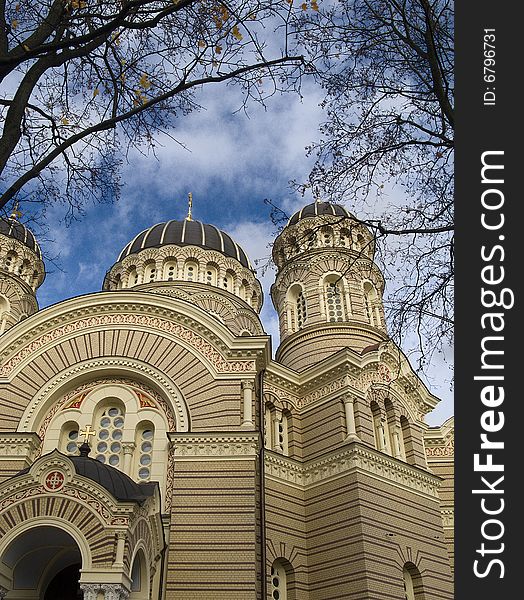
(96, 91)
(144, 82)
(201, 44)
(314, 5)
(64, 121)
(218, 49)
(236, 33)
(303, 6)
(14, 23)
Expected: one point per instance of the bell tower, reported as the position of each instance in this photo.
(328, 290)
(21, 272)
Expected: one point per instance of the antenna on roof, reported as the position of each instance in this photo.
(190, 207)
(317, 195)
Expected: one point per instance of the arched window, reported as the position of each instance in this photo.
(170, 270)
(406, 445)
(110, 428)
(228, 281)
(334, 300)
(118, 282)
(10, 260)
(5, 307)
(145, 435)
(344, 238)
(296, 308)
(132, 277)
(327, 236)
(211, 274)
(310, 239)
(413, 589)
(276, 429)
(278, 581)
(150, 272)
(391, 429)
(139, 578)
(268, 425)
(378, 429)
(244, 291)
(69, 441)
(370, 301)
(191, 271)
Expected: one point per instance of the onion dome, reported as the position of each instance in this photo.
(186, 233)
(12, 228)
(318, 209)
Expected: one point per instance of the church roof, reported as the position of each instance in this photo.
(13, 229)
(120, 485)
(316, 209)
(186, 233)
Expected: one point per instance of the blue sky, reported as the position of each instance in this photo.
(231, 164)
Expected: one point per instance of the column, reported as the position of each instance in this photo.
(397, 452)
(350, 419)
(128, 449)
(247, 391)
(382, 434)
(120, 547)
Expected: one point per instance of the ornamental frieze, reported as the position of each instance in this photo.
(152, 323)
(356, 458)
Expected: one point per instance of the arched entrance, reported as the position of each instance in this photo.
(43, 563)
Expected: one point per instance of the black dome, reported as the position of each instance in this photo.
(120, 485)
(14, 229)
(186, 233)
(316, 209)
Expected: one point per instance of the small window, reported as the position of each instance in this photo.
(278, 581)
(334, 300)
(296, 308)
(144, 448)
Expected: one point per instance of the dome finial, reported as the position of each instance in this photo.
(189, 207)
(15, 213)
(317, 195)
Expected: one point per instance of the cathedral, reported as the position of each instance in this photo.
(153, 446)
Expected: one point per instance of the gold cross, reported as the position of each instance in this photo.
(87, 433)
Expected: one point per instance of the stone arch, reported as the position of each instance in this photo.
(64, 384)
(36, 555)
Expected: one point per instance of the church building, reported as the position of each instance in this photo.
(154, 447)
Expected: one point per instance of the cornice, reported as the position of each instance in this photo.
(24, 446)
(202, 446)
(351, 458)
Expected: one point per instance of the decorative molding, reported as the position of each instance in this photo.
(448, 518)
(350, 459)
(441, 450)
(19, 446)
(117, 315)
(213, 447)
